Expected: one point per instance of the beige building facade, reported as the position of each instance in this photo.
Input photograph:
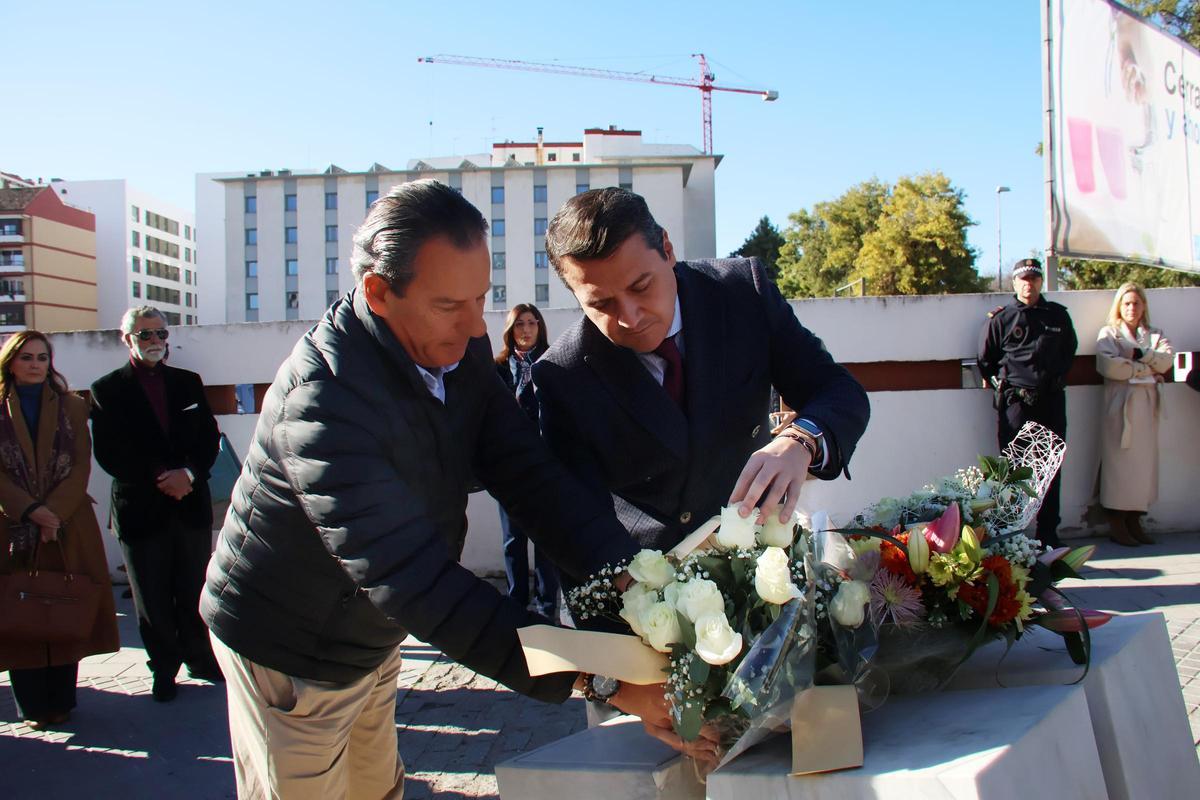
(47, 262)
(284, 237)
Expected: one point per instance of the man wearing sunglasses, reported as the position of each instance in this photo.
(154, 433)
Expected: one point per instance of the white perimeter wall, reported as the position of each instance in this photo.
(913, 436)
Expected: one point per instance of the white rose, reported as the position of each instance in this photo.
(773, 578)
(652, 568)
(634, 602)
(670, 594)
(777, 534)
(660, 624)
(848, 606)
(735, 533)
(697, 598)
(716, 642)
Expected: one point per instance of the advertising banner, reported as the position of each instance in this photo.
(1125, 134)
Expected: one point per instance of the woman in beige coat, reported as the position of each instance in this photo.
(1132, 357)
(45, 458)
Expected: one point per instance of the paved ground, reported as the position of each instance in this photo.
(454, 725)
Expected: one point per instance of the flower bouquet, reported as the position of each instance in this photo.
(752, 616)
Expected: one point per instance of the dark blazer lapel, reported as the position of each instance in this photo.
(633, 387)
(706, 346)
(21, 427)
(47, 425)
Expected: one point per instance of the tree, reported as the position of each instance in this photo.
(920, 243)
(820, 247)
(910, 239)
(1177, 17)
(763, 243)
(1078, 273)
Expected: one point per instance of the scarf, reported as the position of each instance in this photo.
(23, 537)
(523, 371)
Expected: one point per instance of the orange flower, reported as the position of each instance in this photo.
(895, 560)
(975, 594)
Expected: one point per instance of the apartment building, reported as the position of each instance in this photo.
(47, 261)
(145, 252)
(284, 236)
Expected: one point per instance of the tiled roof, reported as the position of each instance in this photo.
(17, 199)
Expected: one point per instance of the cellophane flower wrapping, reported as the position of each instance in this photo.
(893, 603)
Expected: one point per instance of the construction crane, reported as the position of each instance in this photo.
(704, 83)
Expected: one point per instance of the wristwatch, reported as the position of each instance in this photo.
(600, 688)
(810, 436)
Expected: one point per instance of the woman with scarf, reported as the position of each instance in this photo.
(46, 514)
(524, 342)
(1132, 357)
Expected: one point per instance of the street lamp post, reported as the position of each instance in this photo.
(999, 253)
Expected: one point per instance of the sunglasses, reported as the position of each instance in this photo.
(161, 333)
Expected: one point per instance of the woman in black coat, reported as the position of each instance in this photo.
(524, 342)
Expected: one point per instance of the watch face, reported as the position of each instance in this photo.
(808, 427)
(605, 686)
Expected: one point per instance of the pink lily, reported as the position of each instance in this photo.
(942, 534)
(1050, 556)
(1067, 620)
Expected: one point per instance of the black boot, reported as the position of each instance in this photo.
(1133, 523)
(1117, 531)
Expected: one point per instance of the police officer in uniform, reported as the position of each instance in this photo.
(1025, 351)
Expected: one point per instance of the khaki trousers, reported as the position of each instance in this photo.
(295, 739)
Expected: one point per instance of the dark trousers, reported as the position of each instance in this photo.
(42, 691)
(1050, 411)
(166, 573)
(516, 567)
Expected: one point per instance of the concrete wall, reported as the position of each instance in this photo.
(914, 436)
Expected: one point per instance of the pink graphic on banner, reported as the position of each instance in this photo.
(1080, 131)
(1112, 158)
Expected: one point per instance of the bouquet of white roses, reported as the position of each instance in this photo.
(734, 615)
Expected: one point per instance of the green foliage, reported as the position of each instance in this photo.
(763, 243)
(906, 239)
(820, 246)
(1177, 17)
(691, 717)
(920, 244)
(1077, 273)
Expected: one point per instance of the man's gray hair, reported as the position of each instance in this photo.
(130, 317)
(410, 215)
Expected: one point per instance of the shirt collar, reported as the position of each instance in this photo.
(677, 324)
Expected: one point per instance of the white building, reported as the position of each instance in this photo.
(145, 252)
(282, 239)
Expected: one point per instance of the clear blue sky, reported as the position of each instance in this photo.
(156, 92)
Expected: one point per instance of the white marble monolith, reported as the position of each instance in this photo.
(615, 760)
(1000, 744)
(1136, 706)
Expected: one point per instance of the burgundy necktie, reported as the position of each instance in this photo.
(673, 374)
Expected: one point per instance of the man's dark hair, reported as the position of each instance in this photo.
(410, 215)
(592, 225)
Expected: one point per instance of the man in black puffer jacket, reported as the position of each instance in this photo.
(347, 522)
